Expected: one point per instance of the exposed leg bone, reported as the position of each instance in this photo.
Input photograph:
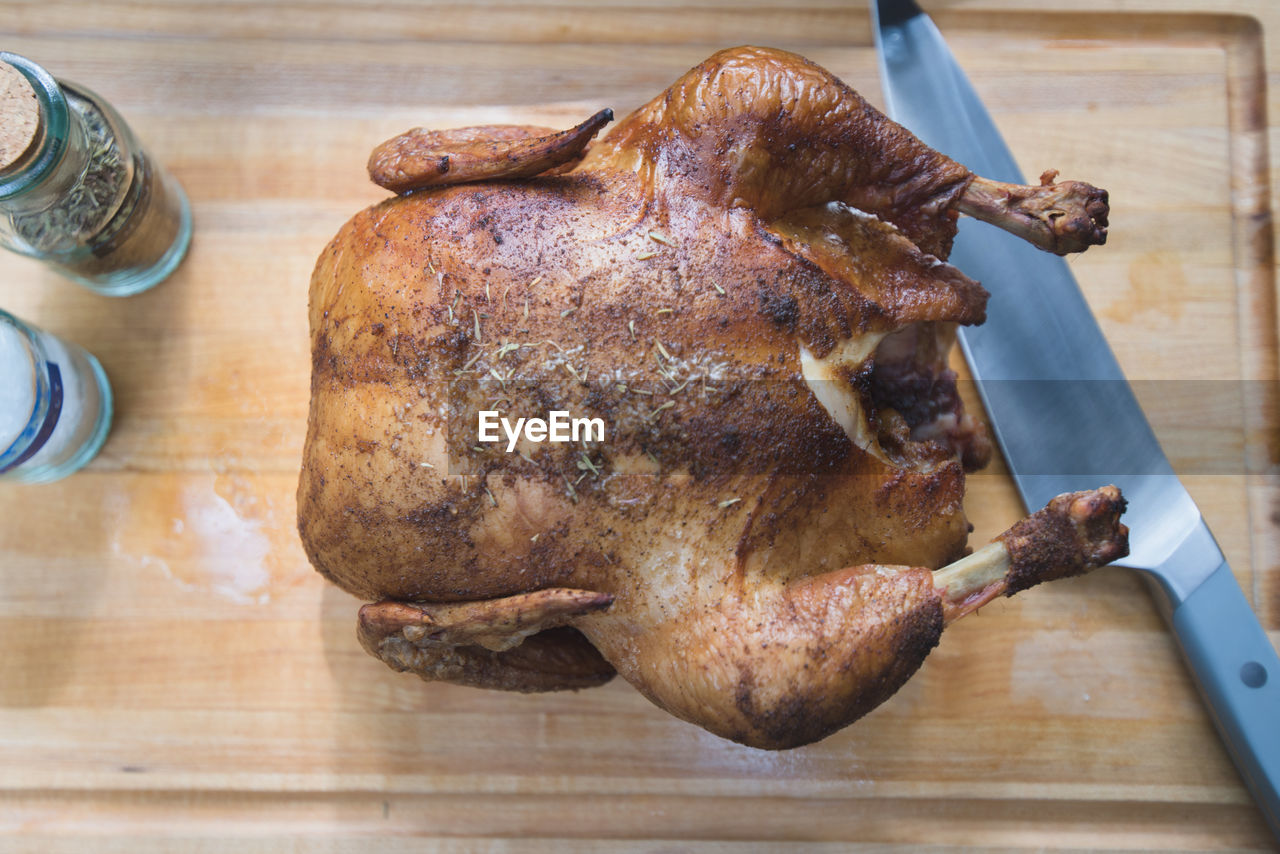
(426, 158)
(1074, 533)
(515, 643)
(1066, 217)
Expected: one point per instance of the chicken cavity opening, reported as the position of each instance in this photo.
(895, 397)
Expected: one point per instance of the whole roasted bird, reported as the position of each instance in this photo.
(745, 282)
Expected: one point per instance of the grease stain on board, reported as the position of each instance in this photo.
(226, 524)
(219, 535)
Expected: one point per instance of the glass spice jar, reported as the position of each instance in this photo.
(55, 404)
(82, 195)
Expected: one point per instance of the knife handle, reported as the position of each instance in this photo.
(1238, 672)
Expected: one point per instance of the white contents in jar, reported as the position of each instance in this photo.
(79, 396)
(17, 385)
(79, 402)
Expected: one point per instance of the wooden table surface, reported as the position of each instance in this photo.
(173, 675)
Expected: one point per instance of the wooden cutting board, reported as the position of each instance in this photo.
(173, 676)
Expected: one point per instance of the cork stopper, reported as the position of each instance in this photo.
(19, 116)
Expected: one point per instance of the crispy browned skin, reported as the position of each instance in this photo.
(426, 158)
(741, 546)
(516, 644)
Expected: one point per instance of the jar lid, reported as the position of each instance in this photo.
(19, 116)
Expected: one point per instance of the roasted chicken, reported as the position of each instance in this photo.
(745, 283)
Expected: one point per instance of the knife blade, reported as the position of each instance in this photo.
(1066, 418)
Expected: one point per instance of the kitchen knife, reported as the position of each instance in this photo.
(1064, 414)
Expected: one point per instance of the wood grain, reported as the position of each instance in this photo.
(173, 675)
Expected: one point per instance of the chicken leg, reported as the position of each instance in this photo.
(779, 664)
(767, 130)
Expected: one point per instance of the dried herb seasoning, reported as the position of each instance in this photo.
(80, 213)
